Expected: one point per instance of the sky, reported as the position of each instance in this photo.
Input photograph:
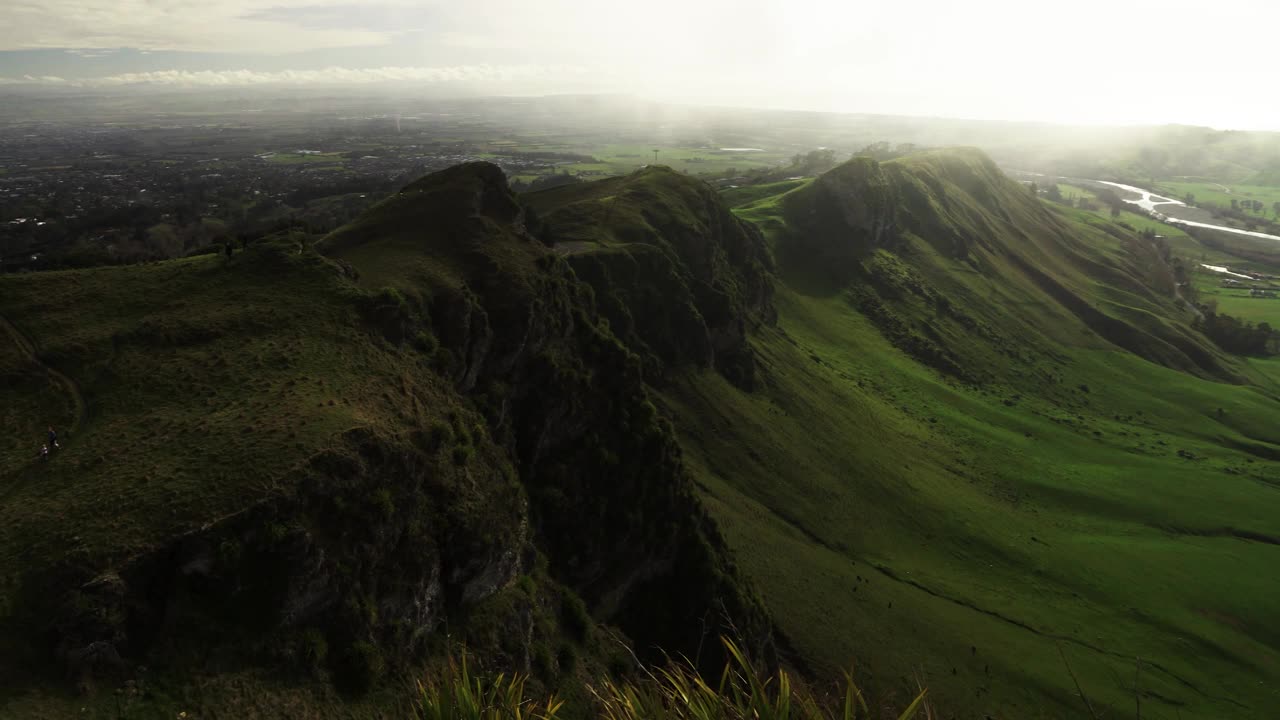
(1081, 62)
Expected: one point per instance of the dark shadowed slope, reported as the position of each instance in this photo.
(679, 277)
(292, 480)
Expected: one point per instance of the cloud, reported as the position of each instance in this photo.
(191, 25)
(461, 74)
(91, 52)
(49, 80)
(386, 17)
(983, 58)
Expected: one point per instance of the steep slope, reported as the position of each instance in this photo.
(949, 434)
(945, 248)
(519, 333)
(285, 468)
(678, 276)
(989, 451)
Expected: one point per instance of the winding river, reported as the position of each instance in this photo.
(1150, 202)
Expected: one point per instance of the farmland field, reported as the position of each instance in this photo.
(1219, 195)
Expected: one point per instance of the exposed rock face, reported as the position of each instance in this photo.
(678, 276)
(846, 213)
(611, 505)
(649, 306)
(382, 541)
(546, 443)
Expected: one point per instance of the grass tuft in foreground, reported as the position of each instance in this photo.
(463, 696)
(677, 692)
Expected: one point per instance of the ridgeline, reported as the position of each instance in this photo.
(903, 415)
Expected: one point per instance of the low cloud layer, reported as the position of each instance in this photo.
(209, 25)
(1095, 61)
(464, 75)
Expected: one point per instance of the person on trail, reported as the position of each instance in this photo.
(53, 439)
(44, 453)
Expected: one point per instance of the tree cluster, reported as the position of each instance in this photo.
(1240, 211)
(883, 151)
(546, 182)
(1237, 336)
(1112, 200)
(1248, 205)
(813, 162)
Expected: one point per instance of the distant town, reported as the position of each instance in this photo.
(97, 193)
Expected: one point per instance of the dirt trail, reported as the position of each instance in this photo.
(573, 247)
(28, 348)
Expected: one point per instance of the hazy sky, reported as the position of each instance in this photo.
(1090, 61)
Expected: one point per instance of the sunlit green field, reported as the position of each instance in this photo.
(1182, 243)
(1218, 194)
(1137, 221)
(1237, 302)
(942, 534)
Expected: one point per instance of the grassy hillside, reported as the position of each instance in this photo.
(298, 476)
(936, 427)
(1238, 253)
(218, 399)
(1072, 503)
(201, 379)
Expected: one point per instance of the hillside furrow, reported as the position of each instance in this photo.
(889, 573)
(28, 349)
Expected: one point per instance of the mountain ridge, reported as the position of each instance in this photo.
(624, 405)
(957, 412)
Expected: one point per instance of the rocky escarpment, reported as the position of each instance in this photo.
(842, 217)
(680, 279)
(521, 337)
(494, 463)
(379, 542)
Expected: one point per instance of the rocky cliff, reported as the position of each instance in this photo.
(428, 423)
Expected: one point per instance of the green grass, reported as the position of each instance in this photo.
(1236, 301)
(1215, 193)
(678, 692)
(209, 385)
(271, 399)
(966, 535)
(946, 538)
(612, 212)
(749, 195)
(39, 400)
(1183, 244)
(224, 390)
(1077, 488)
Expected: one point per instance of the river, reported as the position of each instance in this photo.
(1150, 202)
(1225, 271)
